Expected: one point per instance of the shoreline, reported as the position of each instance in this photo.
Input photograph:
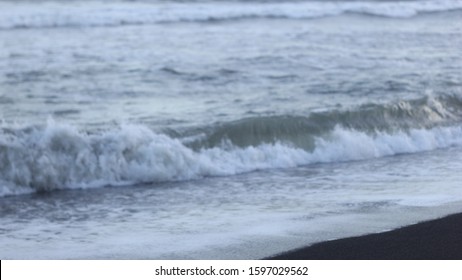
(439, 239)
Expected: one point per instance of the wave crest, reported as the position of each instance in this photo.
(59, 156)
(302, 131)
(58, 14)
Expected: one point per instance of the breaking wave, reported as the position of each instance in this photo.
(59, 156)
(92, 14)
(302, 131)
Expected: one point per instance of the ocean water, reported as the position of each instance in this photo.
(223, 129)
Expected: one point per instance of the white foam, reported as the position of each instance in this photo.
(84, 14)
(347, 145)
(429, 200)
(60, 156)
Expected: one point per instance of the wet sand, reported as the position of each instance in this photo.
(439, 239)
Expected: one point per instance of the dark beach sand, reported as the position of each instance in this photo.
(439, 239)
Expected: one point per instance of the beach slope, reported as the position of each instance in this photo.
(439, 239)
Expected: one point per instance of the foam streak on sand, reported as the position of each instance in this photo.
(57, 14)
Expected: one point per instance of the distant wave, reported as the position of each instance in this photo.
(93, 14)
(59, 156)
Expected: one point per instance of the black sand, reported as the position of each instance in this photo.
(439, 239)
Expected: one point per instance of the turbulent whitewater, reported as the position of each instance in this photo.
(60, 156)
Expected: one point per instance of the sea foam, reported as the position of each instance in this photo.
(59, 156)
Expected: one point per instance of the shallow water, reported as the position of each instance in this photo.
(219, 217)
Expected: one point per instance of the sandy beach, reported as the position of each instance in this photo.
(439, 239)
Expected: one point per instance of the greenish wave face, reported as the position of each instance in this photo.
(301, 131)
